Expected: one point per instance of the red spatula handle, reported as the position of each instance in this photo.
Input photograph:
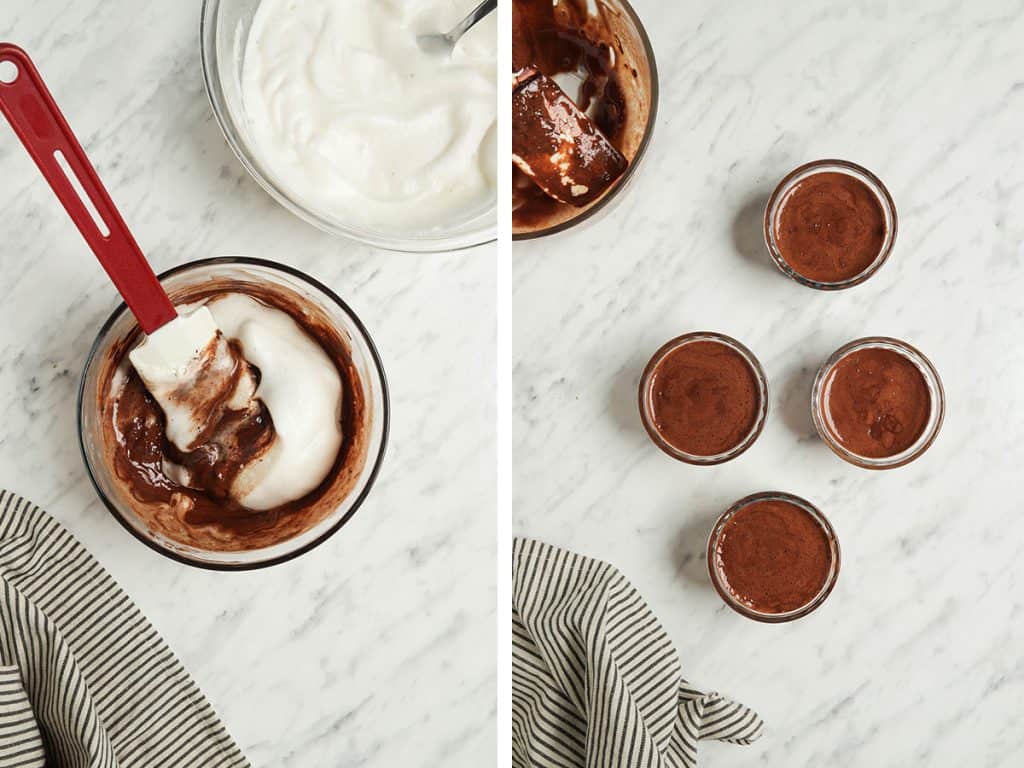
(35, 117)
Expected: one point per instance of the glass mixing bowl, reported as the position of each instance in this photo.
(642, 99)
(223, 34)
(364, 355)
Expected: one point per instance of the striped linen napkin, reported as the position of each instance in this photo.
(595, 680)
(85, 681)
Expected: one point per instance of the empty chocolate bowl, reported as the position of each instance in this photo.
(878, 402)
(173, 499)
(703, 398)
(585, 97)
(830, 224)
(773, 557)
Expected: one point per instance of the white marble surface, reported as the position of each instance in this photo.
(377, 648)
(915, 658)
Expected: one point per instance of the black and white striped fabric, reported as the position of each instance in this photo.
(595, 680)
(85, 681)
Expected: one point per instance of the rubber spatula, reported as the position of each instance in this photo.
(557, 145)
(172, 341)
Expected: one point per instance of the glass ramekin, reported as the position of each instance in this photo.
(935, 391)
(745, 610)
(605, 203)
(647, 406)
(774, 208)
(121, 324)
(223, 34)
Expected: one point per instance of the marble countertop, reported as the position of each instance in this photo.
(915, 658)
(377, 648)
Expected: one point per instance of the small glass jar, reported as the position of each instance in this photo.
(776, 202)
(718, 577)
(822, 420)
(646, 398)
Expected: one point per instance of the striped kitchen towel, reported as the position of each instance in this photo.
(595, 680)
(85, 681)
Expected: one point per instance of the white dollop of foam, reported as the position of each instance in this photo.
(301, 389)
(357, 122)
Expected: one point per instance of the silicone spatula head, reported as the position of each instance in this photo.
(557, 145)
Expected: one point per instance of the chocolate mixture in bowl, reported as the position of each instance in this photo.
(601, 61)
(190, 496)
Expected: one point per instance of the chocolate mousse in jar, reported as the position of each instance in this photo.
(878, 402)
(271, 449)
(703, 398)
(830, 224)
(773, 557)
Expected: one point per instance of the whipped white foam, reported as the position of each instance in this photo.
(298, 383)
(357, 122)
(301, 389)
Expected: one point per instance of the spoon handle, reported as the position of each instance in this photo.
(474, 16)
(33, 114)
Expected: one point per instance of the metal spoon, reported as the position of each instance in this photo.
(442, 44)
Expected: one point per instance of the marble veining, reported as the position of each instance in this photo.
(913, 660)
(377, 648)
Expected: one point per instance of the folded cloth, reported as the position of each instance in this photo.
(85, 681)
(595, 679)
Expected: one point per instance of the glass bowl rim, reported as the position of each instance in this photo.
(645, 141)
(852, 169)
(928, 371)
(226, 122)
(826, 588)
(117, 313)
(762, 413)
